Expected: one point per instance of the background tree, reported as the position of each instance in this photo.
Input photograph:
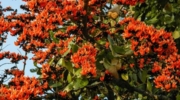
(94, 49)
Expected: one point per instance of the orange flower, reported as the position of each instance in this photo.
(96, 98)
(156, 46)
(131, 65)
(85, 58)
(141, 63)
(53, 76)
(21, 87)
(174, 85)
(62, 94)
(45, 85)
(107, 45)
(156, 67)
(102, 78)
(167, 86)
(129, 2)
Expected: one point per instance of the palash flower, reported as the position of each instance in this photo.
(145, 40)
(22, 87)
(85, 58)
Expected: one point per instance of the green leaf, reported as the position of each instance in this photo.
(62, 62)
(95, 17)
(66, 64)
(134, 77)
(51, 33)
(143, 75)
(153, 20)
(35, 64)
(176, 34)
(113, 23)
(97, 32)
(78, 72)
(39, 71)
(80, 83)
(168, 19)
(140, 96)
(118, 98)
(111, 46)
(125, 76)
(124, 49)
(34, 70)
(142, 86)
(106, 63)
(57, 84)
(106, 21)
(119, 51)
(178, 97)
(69, 87)
(94, 84)
(50, 61)
(149, 14)
(68, 51)
(102, 41)
(127, 49)
(168, 7)
(149, 86)
(69, 77)
(69, 48)
(140, 75)
(74, 48)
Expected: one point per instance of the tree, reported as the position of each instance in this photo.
(94, 49)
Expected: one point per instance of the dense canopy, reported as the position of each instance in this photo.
(93, 49)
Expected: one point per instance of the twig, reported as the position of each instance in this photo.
(24, 62)
(4, 64)
(85, 20)
(19, 51)
(107, 7)
(4, 47)
(110, 93)
(101, 18)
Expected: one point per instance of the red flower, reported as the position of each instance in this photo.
(85, 58)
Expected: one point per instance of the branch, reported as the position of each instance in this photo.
(94, 85)
(4, 47)
(110, 93)
(4, 64)
(24, 62)
(101, 18)
(85, 20)
(124, 84)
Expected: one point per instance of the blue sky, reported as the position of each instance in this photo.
(9, 45)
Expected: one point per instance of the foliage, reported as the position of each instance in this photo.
(83, 49)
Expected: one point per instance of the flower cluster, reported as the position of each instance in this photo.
(21, 87)
(160, 49)
(13, 56)
(85, 58)
(62, 94)
(128, 2)
(51, 72)
(33, 29)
